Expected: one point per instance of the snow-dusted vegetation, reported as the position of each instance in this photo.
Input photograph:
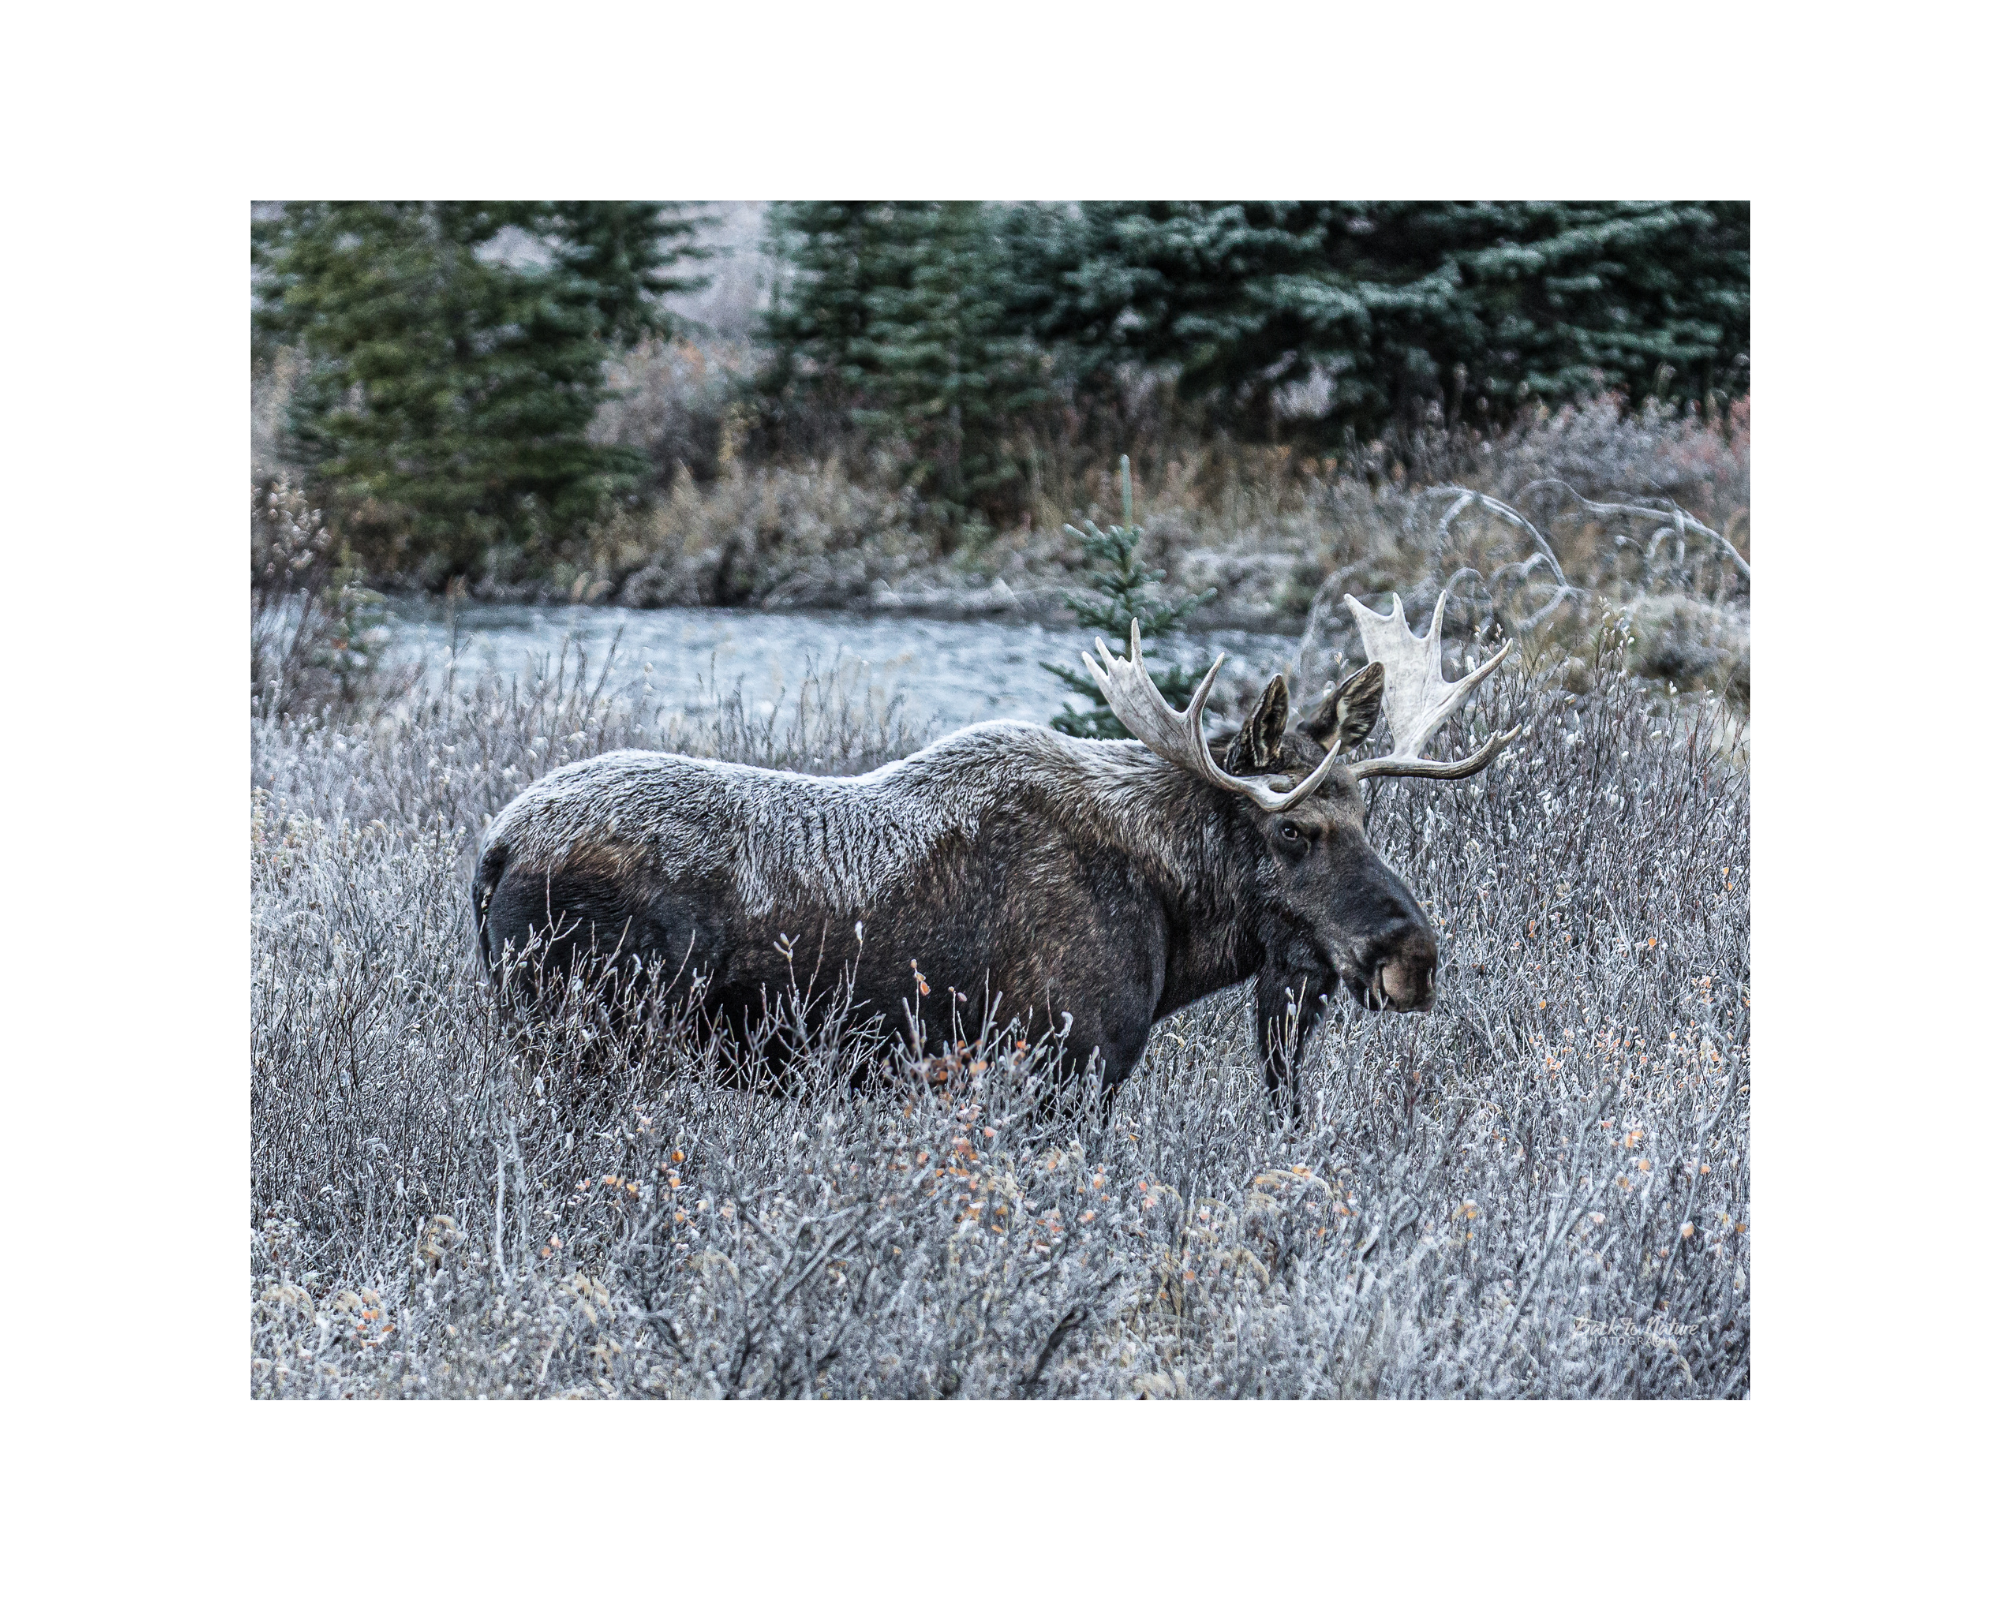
(1541, 1188)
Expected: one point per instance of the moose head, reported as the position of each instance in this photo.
(1332, 903)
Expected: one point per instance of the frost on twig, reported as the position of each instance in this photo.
(1675, 518)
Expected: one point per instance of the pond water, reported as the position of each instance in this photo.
(952, 671)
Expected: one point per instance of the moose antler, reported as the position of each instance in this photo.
(1137, 702)
(1415, 698)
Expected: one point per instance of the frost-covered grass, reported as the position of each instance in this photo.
(1541, 1188)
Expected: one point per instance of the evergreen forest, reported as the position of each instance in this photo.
(506, 397)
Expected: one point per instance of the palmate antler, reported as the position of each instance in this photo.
(1137, 702)
(1415, 701)
(1415, 698)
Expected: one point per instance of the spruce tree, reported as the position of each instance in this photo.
(953, 377)
(445, 398)
(835, 256)
(1126, 592)
(1400, 310)
(630, 253)
(894, 317)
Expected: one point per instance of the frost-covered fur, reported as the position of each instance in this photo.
(786, 839)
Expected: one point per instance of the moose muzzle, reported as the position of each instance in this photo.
(1401, 964)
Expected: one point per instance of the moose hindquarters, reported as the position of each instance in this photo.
(593, 910)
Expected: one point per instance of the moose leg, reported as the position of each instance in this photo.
(1290, 1001)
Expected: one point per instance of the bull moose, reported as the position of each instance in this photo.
(1078, 886)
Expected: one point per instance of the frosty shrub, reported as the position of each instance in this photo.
(1542, 1188)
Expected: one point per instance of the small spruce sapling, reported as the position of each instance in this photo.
(1125, 593)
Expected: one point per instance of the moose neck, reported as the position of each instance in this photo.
(1189, 842)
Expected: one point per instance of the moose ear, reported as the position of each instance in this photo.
(1347, 715)
(1260, 744)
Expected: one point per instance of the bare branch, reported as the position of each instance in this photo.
(1672, 514)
